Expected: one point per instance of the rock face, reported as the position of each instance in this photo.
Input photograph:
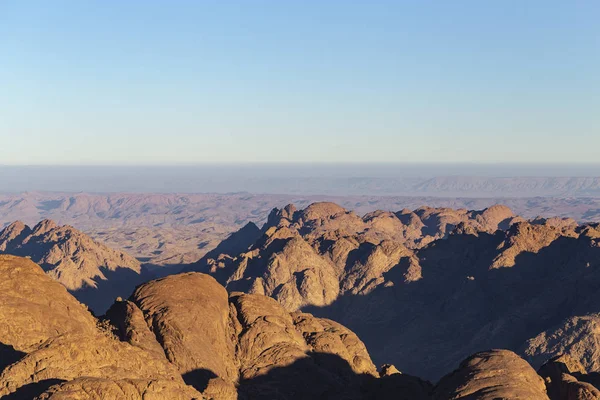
(52, 338)
(124, 389)
(189, 315)
(183, 328)
(182, 337)
(217, 340)
(567, 379)
(186, 337)
(490, 375)
(81, 264)
(32, 310)
(577, 337)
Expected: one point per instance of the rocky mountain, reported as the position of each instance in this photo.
(315, 255)
(186, 337)
(93, 272)
(433, 282)
(170, 229)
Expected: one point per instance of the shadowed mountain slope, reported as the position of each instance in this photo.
(431, 281)
(92, 272)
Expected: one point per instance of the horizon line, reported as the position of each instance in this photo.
(321, 163)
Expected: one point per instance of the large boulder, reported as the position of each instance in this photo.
(490, 375)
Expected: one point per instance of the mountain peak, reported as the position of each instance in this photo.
(74, 259)
(44, 226)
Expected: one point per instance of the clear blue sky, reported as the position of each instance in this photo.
(171, 82)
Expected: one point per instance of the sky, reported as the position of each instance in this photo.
(329, 81)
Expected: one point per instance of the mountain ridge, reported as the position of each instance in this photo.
(75, 260)
(379, 277)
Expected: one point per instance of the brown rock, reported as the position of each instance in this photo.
(189, 315)
(131, 327)
(33, 308)
(75, 260)
(562, 375)
(577, 337)
(57, 338)
(489, 375)
(123, 389)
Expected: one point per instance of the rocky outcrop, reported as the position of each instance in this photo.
(577, 337)
(565, 380)
(183, 328)
(217, 340)
(123, 389)
(130, 326)
(524, 237)
(189, 316)
(490, 375)
(33, 309)
(54, 338)
(72, 258)
(312, 256)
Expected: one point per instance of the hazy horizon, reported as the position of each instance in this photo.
(332, 179)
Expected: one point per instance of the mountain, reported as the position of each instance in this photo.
(315, 255)
(432, 281)
(170, 229)
(509, 186)
(51, 339)
(79, 263)
(186, 337)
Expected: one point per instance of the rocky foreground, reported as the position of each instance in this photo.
(185, 337)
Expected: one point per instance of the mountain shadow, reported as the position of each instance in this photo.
(462, 305)
(8, 356)
(238, 242)
(320, 376)
(32, 390)
(118, 283)
(199, 378)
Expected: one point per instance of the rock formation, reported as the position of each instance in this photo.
(53, 338)
(185, 337)
(312, 256)
(567, 379)
(429, 281)
(180, 329)
(81, 264)
(490, 375)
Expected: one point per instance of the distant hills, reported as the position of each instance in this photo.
(175, 229)
(360, 179)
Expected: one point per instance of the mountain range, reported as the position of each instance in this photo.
(467, 304)
(429, 281)
(174, 229)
